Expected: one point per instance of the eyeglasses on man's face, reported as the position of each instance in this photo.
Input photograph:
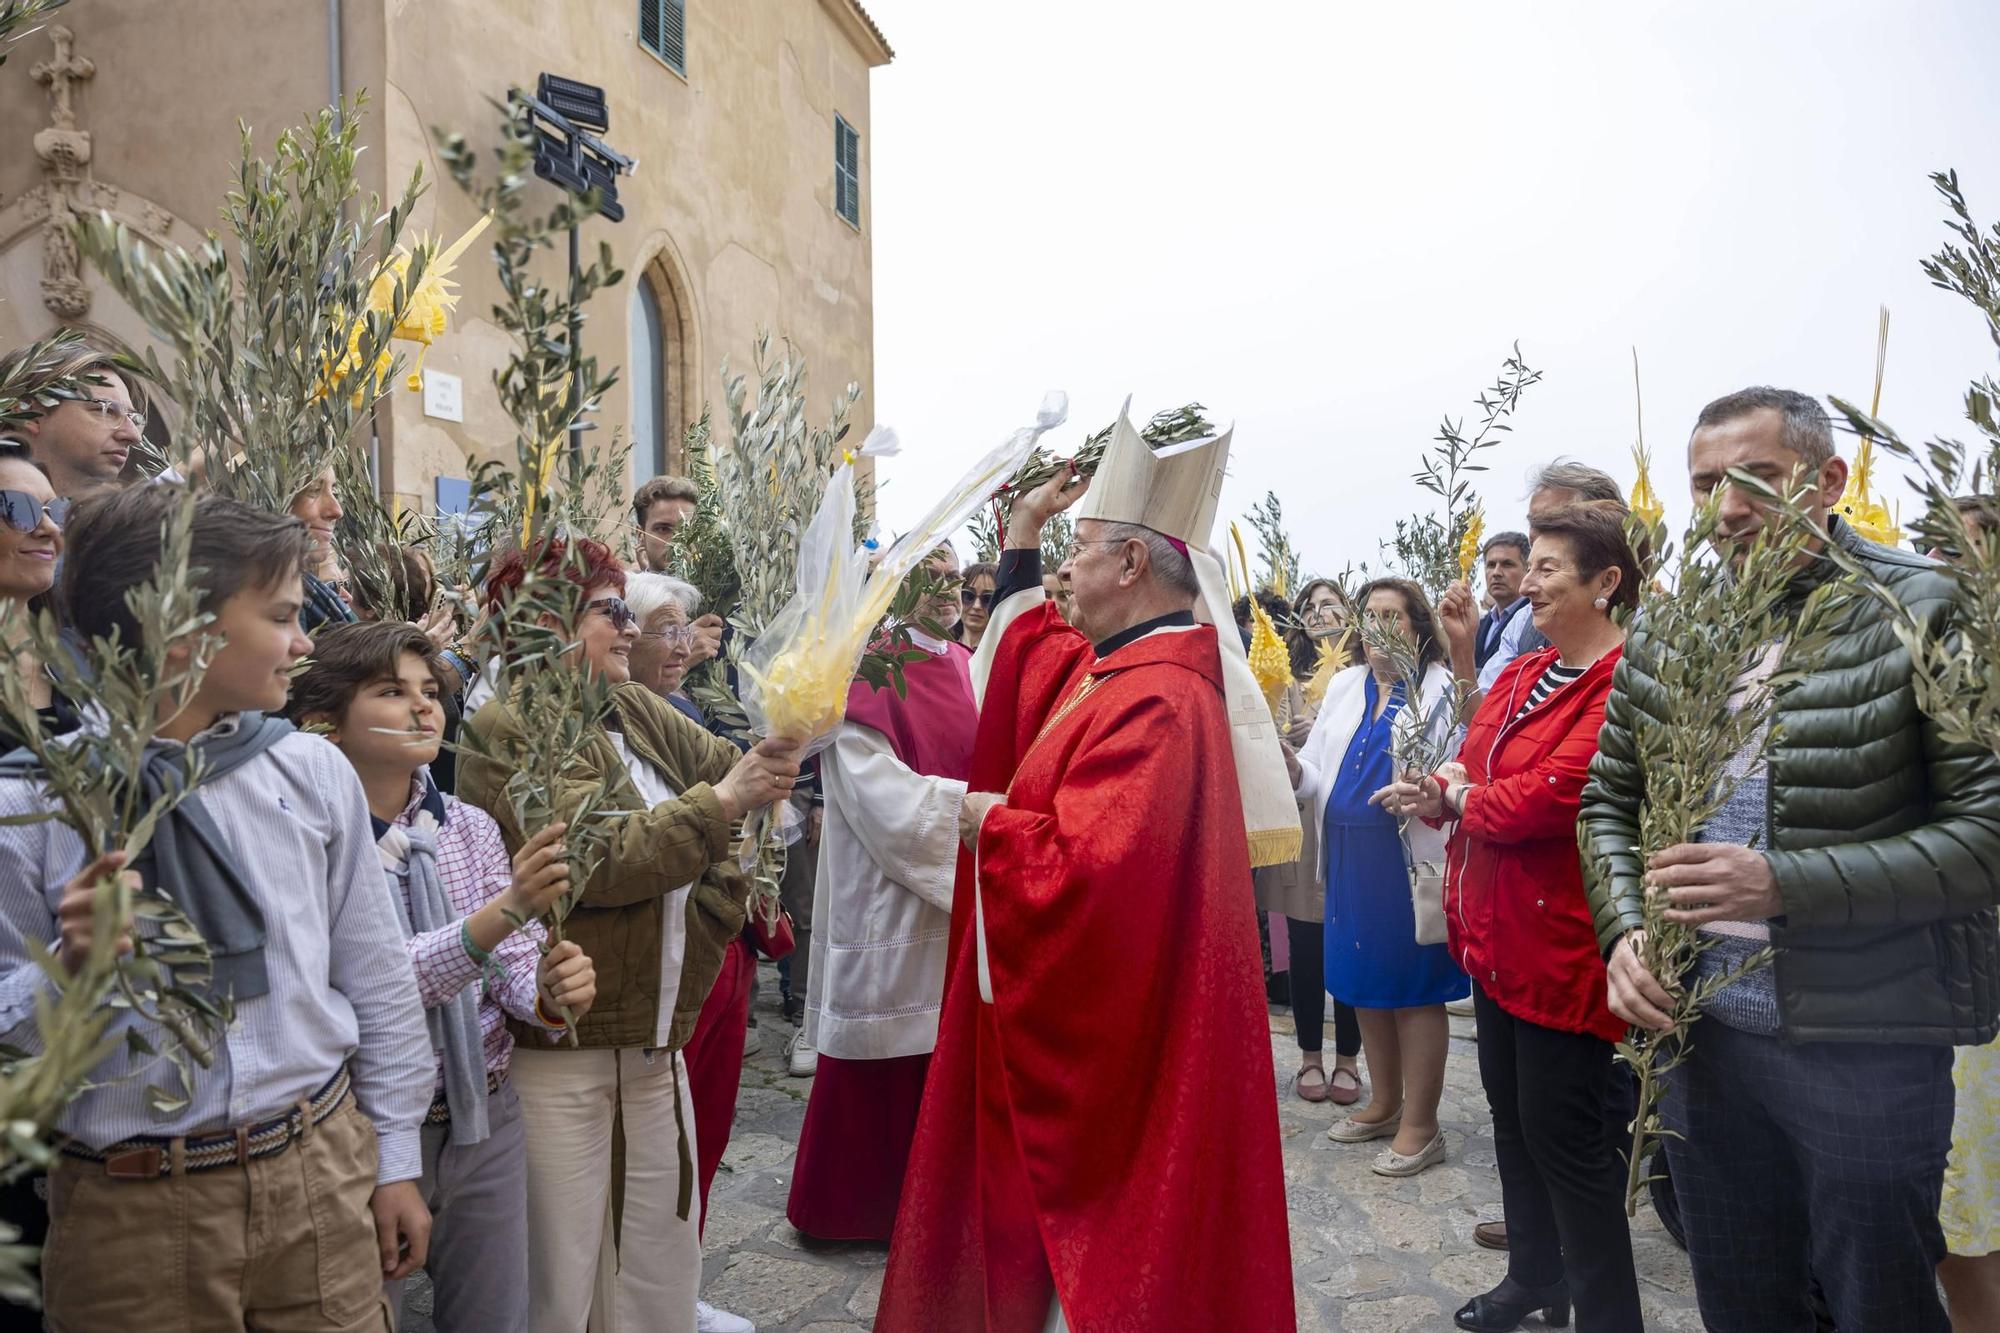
(23, 512)
(110, 410)
(673, 636)
(612, 609)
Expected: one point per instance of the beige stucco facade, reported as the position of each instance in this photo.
(730, 220)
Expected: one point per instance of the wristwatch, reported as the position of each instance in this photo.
(1454, 799)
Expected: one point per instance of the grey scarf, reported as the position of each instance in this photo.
(188, 855)
(409, 854)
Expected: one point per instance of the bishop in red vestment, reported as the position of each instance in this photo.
(1098, 1145)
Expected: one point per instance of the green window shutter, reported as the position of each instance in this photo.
(673, 23)
(846, 171)
(649, 25)
(663, 31)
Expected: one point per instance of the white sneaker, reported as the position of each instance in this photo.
(753, 1042)
(708, 1319)
(802, 1061)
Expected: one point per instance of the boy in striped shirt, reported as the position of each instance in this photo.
(375, 688)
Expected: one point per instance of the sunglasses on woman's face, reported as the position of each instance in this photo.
(973, 597)
(614, 610)
(23, 512)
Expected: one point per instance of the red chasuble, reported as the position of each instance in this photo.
(1107, 1125)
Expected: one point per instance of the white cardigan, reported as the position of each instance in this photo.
(882, 907)
(1340, 715)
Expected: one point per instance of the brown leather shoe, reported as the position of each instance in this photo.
(1491, 1235)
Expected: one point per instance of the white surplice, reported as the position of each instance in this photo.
(882, 906)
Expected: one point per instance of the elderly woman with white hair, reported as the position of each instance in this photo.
(664, 607)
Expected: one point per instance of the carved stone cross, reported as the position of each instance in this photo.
(65, 153)
(61, 74)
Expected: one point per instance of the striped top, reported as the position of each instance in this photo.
(1552, 680)
(472, 862)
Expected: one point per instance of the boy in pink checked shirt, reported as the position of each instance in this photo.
(375, 686)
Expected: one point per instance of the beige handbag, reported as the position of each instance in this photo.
(1426, 897)
(1427, 901)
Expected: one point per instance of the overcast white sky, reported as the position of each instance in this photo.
(1328, 221)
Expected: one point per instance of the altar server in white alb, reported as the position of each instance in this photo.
(893, 778)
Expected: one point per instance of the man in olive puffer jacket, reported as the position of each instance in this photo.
(1814, 1110)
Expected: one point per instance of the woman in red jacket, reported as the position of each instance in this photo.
(1520, 927)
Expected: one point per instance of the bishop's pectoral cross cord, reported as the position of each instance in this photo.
(1084, 689)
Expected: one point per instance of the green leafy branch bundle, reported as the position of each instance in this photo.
(86, 779)
(702, 554)
(548, 494)
(770, 475)
(1420, 742)
(278, 352)
(1426, 547)
(895, 647)
(1427, 551)
(1178, 425)
(164, 977)
(32, 394)
(560, 708)
(1740, 638)
(550, 489)
(1957, 678)
(1280, 571)
(15, 16)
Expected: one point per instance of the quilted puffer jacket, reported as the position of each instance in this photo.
(1884, 838)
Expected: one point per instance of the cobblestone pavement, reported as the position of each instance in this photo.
(1369, 1255)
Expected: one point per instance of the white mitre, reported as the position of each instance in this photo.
(1175, 492)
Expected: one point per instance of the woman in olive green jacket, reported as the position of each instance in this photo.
(610, 1124)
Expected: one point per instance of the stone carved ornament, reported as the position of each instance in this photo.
(68, 189)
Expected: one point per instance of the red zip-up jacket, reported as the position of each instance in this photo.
(1513, 894)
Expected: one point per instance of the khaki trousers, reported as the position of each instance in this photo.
(577, 1279)
(285, 1244)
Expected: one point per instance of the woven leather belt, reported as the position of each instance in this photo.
(440, 1112)
(147, 1158)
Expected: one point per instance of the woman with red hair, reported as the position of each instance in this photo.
(656, 915)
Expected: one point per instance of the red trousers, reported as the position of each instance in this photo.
(714, 1057)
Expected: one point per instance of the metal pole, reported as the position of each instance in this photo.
(575, 349)
(333, 73)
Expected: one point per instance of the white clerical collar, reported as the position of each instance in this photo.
(935, 647)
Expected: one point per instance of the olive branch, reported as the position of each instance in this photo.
(546, 498)
(1737, 638)
(1956, 675)
(277, 355)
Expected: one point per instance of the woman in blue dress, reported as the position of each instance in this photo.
(1373, 962)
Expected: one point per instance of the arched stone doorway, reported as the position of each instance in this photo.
(660, 365)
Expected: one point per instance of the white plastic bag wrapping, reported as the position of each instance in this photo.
(796, 676)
